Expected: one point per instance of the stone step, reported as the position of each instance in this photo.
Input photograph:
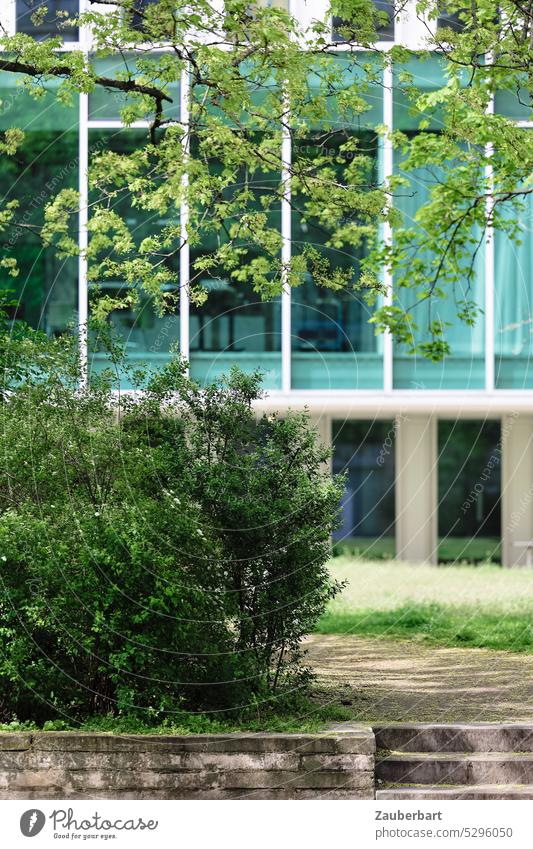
(455, 768)
(440, 737)
(478, 791)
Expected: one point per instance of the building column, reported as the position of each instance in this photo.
(416, 489)
(517, 489)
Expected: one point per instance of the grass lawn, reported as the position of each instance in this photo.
(481, 606)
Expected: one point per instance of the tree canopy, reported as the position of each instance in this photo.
(255, 81)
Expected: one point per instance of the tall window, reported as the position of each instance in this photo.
(333, 345)
(364, 451)
(464, 368)
(513, 303)
(46, 162)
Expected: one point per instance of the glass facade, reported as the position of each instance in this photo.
(469, 474)
(332, 346)
(46, 287)
(364, 452)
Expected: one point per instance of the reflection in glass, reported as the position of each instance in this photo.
(365, 451)
(46, 162)
(147, 336)
(385, 29)
(464, 368)
(333, 345)
(106, 104)
(234, 326)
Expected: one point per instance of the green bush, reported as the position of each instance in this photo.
(160, 551)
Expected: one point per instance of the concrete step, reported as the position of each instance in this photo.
(455, 768)
(478, 791)
(440, 737)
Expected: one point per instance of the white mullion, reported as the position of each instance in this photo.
(387, 171)
(184, 218)
(83, 236)
(489, 271)
(83, 213)
(286, 331)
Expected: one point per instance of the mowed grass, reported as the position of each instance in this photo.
(452, 605)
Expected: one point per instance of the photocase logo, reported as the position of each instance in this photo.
(32, 822)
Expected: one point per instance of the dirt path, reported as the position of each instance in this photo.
(405, 681)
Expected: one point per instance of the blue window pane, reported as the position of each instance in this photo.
(53, 23)
(515, 103)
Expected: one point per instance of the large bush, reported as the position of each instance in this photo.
(160, 551)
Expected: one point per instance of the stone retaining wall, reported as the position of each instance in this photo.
(335, 764)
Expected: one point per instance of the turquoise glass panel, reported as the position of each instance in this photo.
(419, 75)
(364, 452)
(54, 22)
(106, 104)
(333, 344)
(46, 287)
(513, 304)
(234, 326)
(147, 337)
(341, 71)
(516, 104)
(464, 368)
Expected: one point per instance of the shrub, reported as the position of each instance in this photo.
(160, 551)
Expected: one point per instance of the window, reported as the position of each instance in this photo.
(469, 475)
(384, 25)
(450, 20)
(53, 23)
(139, 12)
(464, 368)
(234, 326)
(513, 302)
(364, 450)
(333, 345)
(147, 336)
(47, 161)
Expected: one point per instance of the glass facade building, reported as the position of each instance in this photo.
(314, 346)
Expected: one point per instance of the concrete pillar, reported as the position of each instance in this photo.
(416, 489)
(517, 489)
